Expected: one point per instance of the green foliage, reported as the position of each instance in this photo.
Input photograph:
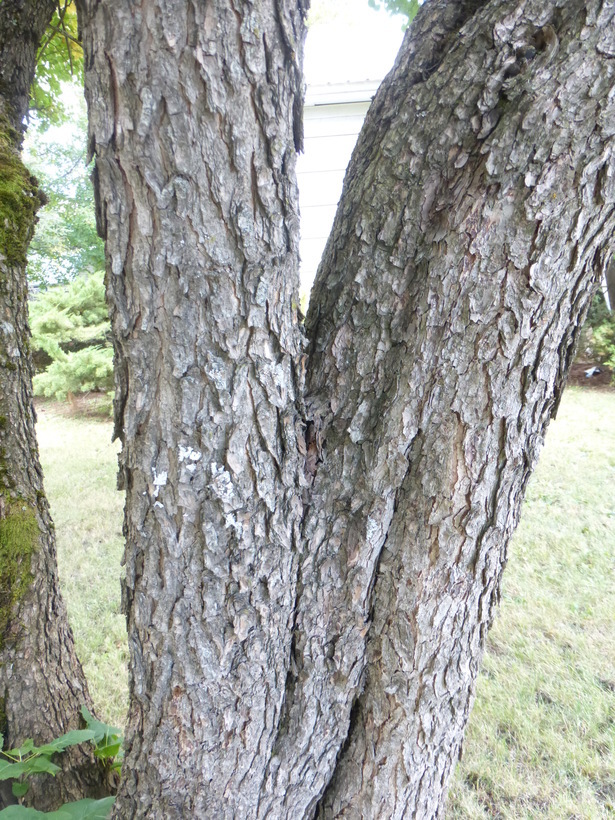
(76, 312)
(602, 323)
(604, 343)
(59, 61)
(406, 8)
(107, 741)
(87, 809)
(85, 371)
(70, 326)
(66, 243)
(29, 759)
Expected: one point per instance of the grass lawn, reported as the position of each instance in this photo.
(541, 739)
(80, 466)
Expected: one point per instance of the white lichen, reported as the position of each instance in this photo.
(188, 454)
(160, 480)
(221, 483)
(231, 521)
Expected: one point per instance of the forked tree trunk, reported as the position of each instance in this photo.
(301, 650)
(42, 686)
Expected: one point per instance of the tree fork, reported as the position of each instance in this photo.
(305, 637)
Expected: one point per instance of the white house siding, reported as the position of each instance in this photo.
(332, 120)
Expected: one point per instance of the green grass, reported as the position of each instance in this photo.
(80, 466)
(541, 739)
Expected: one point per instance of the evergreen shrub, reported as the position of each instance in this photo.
(71, 339)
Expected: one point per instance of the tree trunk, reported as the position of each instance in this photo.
(301, 650)
(194, 118)
(42, 686)
(474, 225)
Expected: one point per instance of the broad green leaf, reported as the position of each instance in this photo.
(19, 789)
(37, 765)
(23, 750)
(23, 813)
(9, 770)
(84, 810)
(108, 750)
(69, 739)
(103, 732)
(59, 60)
(81, 810)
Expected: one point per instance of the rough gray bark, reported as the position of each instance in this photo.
(475, 221)
(42, 686)
(290, 661)
(195, 115)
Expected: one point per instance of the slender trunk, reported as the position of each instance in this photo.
(288, 660)
(42, 686)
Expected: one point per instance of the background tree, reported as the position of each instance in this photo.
(41, 682)
(305, 637)
(597, 344)
(66, 243)
(71, 341)
(405, 8)
(59, 60)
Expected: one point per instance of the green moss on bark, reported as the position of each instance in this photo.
(19, 533)
(20, 199)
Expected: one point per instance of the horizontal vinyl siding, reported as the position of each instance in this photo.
(330, 135)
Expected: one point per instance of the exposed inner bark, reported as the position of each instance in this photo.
(313, 649)
(42, 686)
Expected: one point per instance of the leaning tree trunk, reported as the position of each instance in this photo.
(42, 686)
(294, 660)
(475, 223)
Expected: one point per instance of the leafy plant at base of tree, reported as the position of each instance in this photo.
(70, 329)
(107, 741)
(29, 759)
(87, 809)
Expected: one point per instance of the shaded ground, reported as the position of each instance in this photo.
(602, 380)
